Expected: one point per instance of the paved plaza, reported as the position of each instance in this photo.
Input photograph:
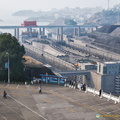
(24, 102)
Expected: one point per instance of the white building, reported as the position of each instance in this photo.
(107, 77)
(108, 68)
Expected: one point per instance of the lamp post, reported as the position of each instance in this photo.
(76, 66)
(8, 67)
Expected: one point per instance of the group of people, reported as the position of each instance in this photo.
(72, 83)
(81, 86)
(39, 82)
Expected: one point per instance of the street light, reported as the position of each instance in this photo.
(8, 67)
(76, 67)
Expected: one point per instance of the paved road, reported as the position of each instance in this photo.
(54, 103)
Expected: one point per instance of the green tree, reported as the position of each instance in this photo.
(70, 22)
(9, 44)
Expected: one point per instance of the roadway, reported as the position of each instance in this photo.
(54, 103)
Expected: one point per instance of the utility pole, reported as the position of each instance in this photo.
(8, 67)
(108, 4)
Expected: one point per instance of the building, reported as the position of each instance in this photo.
(30, 34)
(106, 78)
(87, 66)
(108, 68)
(29, 23)
(42, 36)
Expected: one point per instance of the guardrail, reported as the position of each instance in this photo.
(103, 94)
(97, 92)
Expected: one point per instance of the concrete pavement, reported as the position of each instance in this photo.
(54, 103)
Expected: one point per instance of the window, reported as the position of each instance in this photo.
(104, 70)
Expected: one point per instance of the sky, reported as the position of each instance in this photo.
(11, 6)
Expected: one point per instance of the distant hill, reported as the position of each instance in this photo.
(26, 13)
(77, 14)
(111, 16)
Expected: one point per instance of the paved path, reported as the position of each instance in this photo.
(54, 103)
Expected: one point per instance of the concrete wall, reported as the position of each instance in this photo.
(95, 80)
(103, 82)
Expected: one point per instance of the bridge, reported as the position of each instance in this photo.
(78, 72)
(41, 28)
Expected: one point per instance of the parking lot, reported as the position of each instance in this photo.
(24, 102)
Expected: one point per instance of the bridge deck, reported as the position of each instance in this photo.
(78, 72)
(48, 26)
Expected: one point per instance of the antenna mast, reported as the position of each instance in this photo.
(108, 4)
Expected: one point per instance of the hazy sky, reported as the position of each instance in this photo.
(10, 6)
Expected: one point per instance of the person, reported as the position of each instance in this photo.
(100, 92)
(84, 87)
(81, 86)
(40, 89)
(4, 94)
(70, 82)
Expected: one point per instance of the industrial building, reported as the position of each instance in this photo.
(106, 78)
(29, 23)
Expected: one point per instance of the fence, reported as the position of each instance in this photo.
(96, 92)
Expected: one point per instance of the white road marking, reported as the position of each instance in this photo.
(17, 86)
(12, 109)
(43, 107)
(113, 111)
(104, 107)
(98, 104)
(7, 85)
(88, 102)
(27, 107)
(3, 117)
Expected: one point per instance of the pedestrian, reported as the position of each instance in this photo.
(40, 89)
(84, 87)
(4, 94)
(100, 91)
(70, 82)
(81, 86)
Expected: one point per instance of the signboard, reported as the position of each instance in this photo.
(6, 65)
(52, 78)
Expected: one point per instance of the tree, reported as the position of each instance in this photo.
(9, 44)
(70, 22)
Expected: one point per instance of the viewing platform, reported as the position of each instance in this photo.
(56, 102)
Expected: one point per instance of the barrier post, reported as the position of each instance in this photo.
(65, 83)
(94, 92)
(109, 97)
(86, 89)
(119, 99)
(115, 102)
(101, 94)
